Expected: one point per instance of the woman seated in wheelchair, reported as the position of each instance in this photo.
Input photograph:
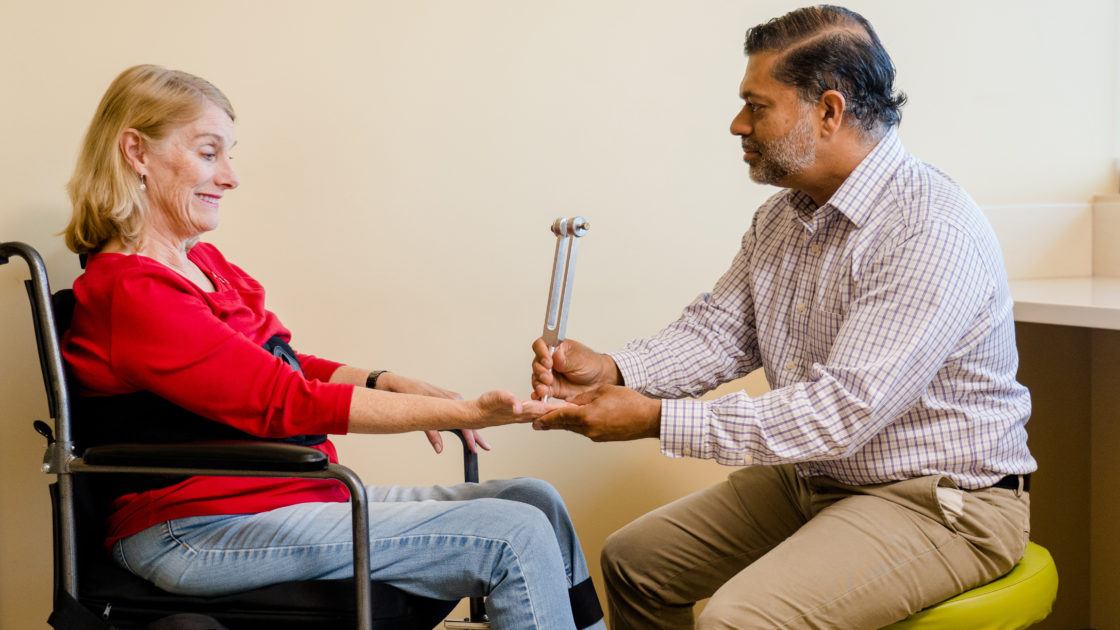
(165, 325)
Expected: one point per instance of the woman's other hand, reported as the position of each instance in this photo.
(393, 382)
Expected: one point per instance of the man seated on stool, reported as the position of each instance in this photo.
(885, 470)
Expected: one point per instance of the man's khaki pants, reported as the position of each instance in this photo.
(773, 550)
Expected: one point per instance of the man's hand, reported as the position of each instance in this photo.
(607, 413)
(571, 370)
(393, 382)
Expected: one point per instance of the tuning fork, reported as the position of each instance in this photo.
(567, 231)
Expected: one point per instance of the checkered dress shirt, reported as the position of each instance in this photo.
(884, 323)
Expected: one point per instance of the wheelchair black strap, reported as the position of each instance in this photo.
(68, 614)
(280, 349)
(585, 604)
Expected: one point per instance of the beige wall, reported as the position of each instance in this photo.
(401, 161)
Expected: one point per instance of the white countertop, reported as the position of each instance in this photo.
(1090, 302)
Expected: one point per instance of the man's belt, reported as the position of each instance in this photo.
(1011, 482)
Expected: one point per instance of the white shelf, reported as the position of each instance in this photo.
(1090, 302)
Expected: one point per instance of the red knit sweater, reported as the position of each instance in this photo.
(139, 326)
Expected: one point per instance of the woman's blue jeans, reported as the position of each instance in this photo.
(510, 540)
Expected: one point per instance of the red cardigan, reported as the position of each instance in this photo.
(140, 326)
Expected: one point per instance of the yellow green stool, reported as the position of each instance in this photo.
(1019, 599)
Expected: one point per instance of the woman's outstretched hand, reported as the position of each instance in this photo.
(501, 407)
(374, 411)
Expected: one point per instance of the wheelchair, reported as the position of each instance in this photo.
(92, 593)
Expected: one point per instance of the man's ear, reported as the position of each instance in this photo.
(832, 108)
(135, 150)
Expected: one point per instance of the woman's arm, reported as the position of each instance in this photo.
(393, 382)
(376, 411)
(197, 361)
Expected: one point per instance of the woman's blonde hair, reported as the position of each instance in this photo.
(104, 190)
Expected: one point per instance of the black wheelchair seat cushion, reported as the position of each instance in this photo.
(186, 621)
(308, 604)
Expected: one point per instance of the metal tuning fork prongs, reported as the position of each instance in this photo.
(567, 231)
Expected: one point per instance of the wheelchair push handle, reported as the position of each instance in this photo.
(47, 345)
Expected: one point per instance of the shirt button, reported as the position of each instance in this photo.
(687, 451)
(801, 307)
(815, 248)
(791, 365)
(747, 460)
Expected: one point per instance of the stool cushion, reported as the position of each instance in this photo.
(1019, 599)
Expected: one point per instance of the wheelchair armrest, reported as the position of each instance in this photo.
(216, 455)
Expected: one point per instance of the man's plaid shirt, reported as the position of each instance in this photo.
(884, 323)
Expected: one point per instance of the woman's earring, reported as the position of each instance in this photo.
(143, 184)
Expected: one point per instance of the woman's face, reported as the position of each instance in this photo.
(188, 172)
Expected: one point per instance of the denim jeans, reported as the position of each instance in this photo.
(509, 540)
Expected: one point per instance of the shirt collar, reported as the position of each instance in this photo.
(853, 198)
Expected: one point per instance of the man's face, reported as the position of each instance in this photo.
(775, 125)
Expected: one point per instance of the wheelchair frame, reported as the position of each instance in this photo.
(195, 459)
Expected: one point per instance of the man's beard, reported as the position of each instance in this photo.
(789, 155)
